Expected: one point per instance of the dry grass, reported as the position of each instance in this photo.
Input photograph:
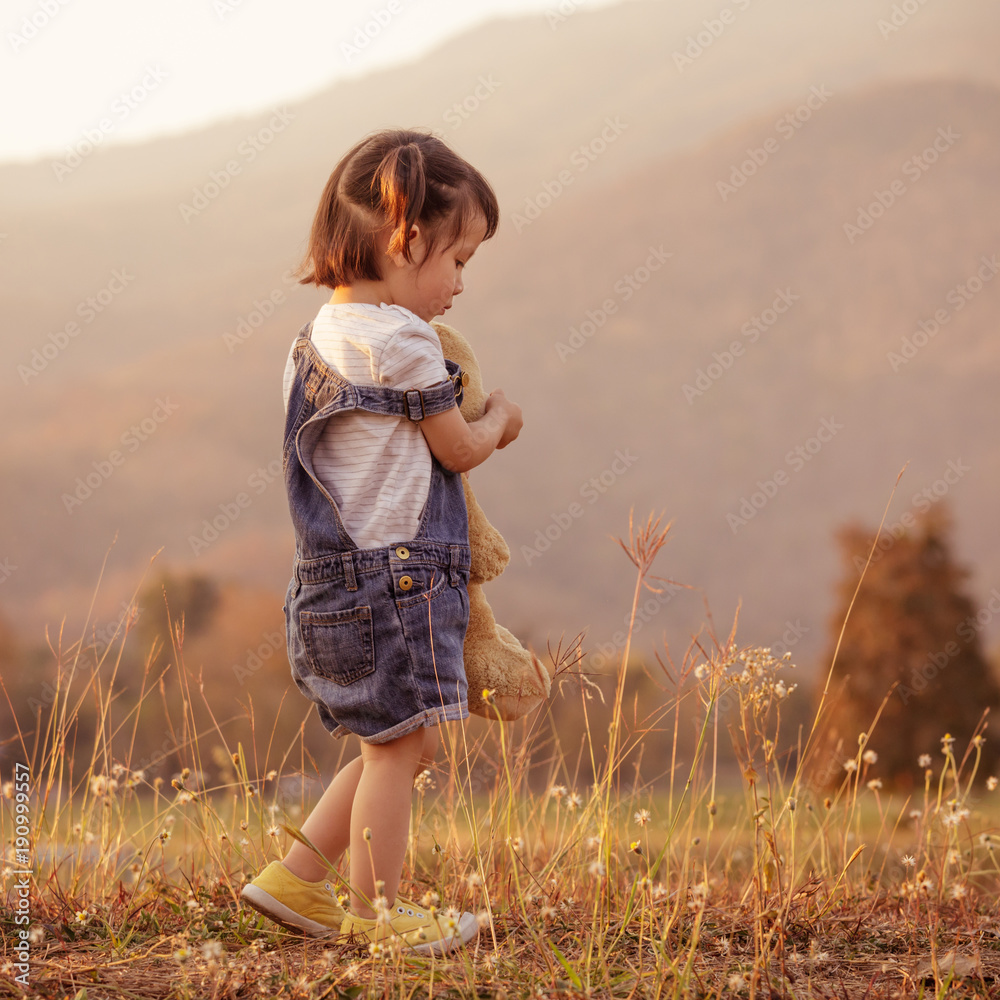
(765, 885)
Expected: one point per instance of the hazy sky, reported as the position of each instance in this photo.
(129, 69)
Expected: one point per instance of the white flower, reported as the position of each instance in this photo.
(991, 784)
(924, 760)
(908, 861)
(597, 868)
(642, 817)
(869, 756)
(850, 766)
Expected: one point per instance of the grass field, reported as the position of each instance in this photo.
(779, 878)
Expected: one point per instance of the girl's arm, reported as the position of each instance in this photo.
(459, 446)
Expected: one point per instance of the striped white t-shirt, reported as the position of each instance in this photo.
(377, 468)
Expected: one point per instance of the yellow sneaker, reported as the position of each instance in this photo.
(417, 928)
(310, 907)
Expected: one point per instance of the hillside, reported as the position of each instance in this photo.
(170, 369)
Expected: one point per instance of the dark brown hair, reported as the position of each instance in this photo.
(389, 181)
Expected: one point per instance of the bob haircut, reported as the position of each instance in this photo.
(386, 183)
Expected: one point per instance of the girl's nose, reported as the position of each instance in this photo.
(458, 283)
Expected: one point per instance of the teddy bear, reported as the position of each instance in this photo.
(494, 658)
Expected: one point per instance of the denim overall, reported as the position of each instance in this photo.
(375, 636)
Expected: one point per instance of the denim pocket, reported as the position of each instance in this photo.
(340, 645)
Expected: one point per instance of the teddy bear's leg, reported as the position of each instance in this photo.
(495, 660)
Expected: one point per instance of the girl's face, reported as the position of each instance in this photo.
(428, 286)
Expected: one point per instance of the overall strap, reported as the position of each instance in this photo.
(414, 404)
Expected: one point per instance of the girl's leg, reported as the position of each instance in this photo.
(382, 806)
(328, 826)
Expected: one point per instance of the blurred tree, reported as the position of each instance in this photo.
(912, 625)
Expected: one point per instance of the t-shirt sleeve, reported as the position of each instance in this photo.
(412, 359)
(288, 376)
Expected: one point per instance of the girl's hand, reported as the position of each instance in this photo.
(511, 414)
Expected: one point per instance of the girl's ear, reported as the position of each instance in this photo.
(415, 245)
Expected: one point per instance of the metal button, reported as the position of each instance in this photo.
(403, 552)
(405, 583)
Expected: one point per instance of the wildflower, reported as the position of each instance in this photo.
(483, 918)
(184, 798)
(850, 766)
(947, 742)
(475, 880)
(869, 756)
(875, 784)
(36, 935)
(376, 949)
(423, 781)
(991, 784)
(431, 900)
(635, 847)
(517, 844)
(791, 804)
(594, 843)
(548, 913)
(597, 868)
(181, 955)
(81, 916)
(953, 857)
(211, 950)
(978, 741)
(736, 982)
(908, 861)
(557, 791)
(367, 833)
(273, 831)
(574, 801)
(165, 835)
(958, 891)
(924, 760)
(701, 671)
(642, 817)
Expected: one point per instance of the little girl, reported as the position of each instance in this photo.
(374, 445)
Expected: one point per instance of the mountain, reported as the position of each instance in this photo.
(667, 178)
